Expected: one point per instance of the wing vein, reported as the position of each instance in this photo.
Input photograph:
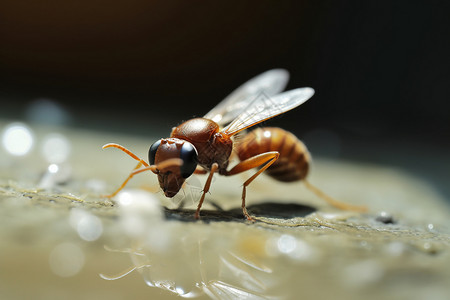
(270, 83)
(265, 107)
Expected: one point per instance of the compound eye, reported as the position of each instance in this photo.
(189, 156)
(152, 152)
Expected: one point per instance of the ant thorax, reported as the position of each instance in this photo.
(212, 146)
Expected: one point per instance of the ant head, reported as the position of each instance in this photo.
(172, 177)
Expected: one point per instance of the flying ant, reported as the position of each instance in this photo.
(202, 145)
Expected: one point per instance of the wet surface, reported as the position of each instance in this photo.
(60, 238)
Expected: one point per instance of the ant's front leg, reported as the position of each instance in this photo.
(214, 168)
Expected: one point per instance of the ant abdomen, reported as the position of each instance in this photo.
(293, 162)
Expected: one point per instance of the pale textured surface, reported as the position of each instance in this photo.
(65, 241)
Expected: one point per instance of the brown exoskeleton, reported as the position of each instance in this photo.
(201, 145)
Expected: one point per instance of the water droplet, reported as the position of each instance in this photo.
(286, 243)
(303, 251)
(139, 210)
(385, 218)
(395, 248)
(17, 139)
(66, 260)
(53, 168)
(55, 174)
(88, 226)
(56, 148)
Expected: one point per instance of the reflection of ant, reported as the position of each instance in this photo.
(200, 145)
(226, 273)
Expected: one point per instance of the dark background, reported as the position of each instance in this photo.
(380, 68)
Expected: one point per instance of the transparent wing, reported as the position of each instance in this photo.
(270, 83)
(265, 107)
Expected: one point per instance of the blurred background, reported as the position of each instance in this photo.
(380, 69)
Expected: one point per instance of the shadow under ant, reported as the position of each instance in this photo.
(270, 209)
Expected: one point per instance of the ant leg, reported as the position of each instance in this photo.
(267, 158)
(334, 202)
(134, 156)
(214, 168)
